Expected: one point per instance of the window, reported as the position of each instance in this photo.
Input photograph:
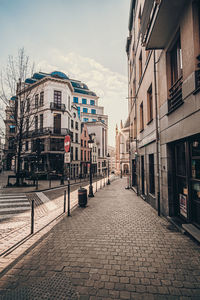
(12, 128)
(76, 153)
(141, 117)
(28, 105)
(27, 124)
(134, 130)
(76, 125)
(56, 144)
(36, 123)
(76, 137)
(85, 119)
(85, 145)
(140, 65)
(75, 99)
(139, 19)
(85, 133)
(79, 111)
(151, 174)
(85, 155)
(57, 98)
(85, 110)
(93, 111)
(72, 124)
(149, 104)
(41, 122)
(57, 123)
(94, 120)
(92, 102)
(84, 101)
(81, 142)
(72, 137)
(81, 154)
(72, 153)
(176, 61)
(12, 117)
(41, 98)
(69, 102)
(36, 100)
(26, 146)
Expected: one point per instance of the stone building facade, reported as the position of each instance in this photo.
(164, 105)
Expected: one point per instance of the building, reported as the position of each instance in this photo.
(100, 129)
(85, 151)
(47, 117)
(1, 156)
(122, 148)
(75, 142)
(163, 49)
(10, 134)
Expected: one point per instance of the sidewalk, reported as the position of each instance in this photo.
(115, 248)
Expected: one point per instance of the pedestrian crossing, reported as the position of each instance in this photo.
(11, 205)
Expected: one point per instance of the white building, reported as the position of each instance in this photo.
(75, 142)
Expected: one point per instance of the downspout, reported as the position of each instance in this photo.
(157, 134)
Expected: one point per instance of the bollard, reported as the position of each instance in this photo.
(64, 201)
(68, 211)
(96, 186)
(49, 182)
(32, 216)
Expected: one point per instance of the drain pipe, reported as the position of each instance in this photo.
(157, 135)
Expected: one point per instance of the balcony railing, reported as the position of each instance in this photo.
(46, 131)
(57, 106)
(175, 95)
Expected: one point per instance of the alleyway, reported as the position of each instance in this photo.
(115, 248)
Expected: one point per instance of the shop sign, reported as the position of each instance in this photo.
(183, 205)
(67, 158)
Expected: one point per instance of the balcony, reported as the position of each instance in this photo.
(57, 106)
(175, 95)
(158, 22)
(46, 131)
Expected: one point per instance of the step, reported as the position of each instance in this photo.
(13, 200)
(13, 196)
(14, 205)
(192, 230)
(13, 210)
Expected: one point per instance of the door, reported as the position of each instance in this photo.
(142, 173)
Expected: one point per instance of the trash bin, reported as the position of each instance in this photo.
(82, 197)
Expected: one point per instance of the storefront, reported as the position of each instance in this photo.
(187, 179)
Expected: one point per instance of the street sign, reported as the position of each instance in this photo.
(67, 143)
(67, 158)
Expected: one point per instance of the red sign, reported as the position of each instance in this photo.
(67, 143)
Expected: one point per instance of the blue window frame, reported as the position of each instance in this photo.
(85, 110)
(75, 99)
(79, 111)
(93, 111)
(94, 120)
(92, 102)
(85, 119)
(84, 101)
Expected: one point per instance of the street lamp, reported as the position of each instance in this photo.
(108, 156)
(90, 143)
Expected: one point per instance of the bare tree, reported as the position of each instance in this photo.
(18, 98)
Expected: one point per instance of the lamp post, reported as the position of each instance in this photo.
(90, 143)
(108, 156)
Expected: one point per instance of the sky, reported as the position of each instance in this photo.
(85, 39)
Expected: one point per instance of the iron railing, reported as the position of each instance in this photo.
(46, 131)
(57, 106)
(175, 95)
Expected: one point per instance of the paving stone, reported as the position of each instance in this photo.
(115, 248)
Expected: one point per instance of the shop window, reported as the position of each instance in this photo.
(151, 174)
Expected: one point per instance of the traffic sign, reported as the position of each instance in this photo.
(67, 158)
(67, 143)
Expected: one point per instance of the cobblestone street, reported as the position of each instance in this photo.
(115, 248)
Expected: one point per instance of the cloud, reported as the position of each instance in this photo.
(110, 86)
